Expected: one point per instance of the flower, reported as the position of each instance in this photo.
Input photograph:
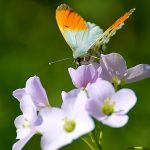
(85, 74)
(26, 123)
(35, 89)
(61, 126)
(108, 106)
(114, 69)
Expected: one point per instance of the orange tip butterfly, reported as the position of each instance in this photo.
(84, 38)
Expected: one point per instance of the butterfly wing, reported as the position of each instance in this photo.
(79, 34)
(105, 37)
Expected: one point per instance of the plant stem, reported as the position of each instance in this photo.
(90, 146)
(91, 141)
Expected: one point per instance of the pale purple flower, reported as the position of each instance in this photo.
(85, 74)
(61, 126)
(26, 123)
(108, 106)
(35, 89)
(114, 69)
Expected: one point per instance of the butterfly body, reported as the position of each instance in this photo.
(84, 38)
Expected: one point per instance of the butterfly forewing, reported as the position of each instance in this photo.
(79, 34)
(105, 37)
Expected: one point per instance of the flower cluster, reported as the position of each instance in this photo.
(98, 97)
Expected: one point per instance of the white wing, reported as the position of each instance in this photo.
(81, 41)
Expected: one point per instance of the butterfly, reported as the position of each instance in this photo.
(87, 40)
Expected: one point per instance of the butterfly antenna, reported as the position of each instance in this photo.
(53, 62)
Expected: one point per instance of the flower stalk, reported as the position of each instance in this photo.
(94, 138)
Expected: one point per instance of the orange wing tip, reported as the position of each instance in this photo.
(122, 19)
(63, 7)
(68, 19)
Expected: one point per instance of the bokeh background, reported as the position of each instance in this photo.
(30, 38)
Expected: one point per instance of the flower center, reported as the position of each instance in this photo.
(69, 125)
(116, 80)
(26, 123)
(108, 107)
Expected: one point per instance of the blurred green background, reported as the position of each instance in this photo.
(30, 38)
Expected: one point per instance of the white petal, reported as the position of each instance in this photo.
(116, 121)
(21, 143)
(52, 120)
(100, 90)
(52, 129)
(54, 144)
(124, 100)
(113, 65)
(18, 94)
(37, 92)
(28, 108)
(138, 73)
(79, 113)
(84, 124)
(69, 99)
(77, 76)
(80, 103)
(73, 100)
(93, 107)
(18, 121)
(85, 74)
(22, 133)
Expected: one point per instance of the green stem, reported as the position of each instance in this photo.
(91, 141)
(101, 135)
(97, 143)
(88, 143)
(94, 138)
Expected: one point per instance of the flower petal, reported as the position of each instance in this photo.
(79, 105)
(113, 65)
(116, 121)
(21, 143)
(53, 134)
(85, 74)
(94, 108)
(69, 99)
(18, 94)
(52, 118)
(100, 90)
(124, 100)
(84, 124)
(138, 73)
(72, 94)
(37, 92)
(18, 121)
(21, 131)
(55, 143)
(28, 108)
